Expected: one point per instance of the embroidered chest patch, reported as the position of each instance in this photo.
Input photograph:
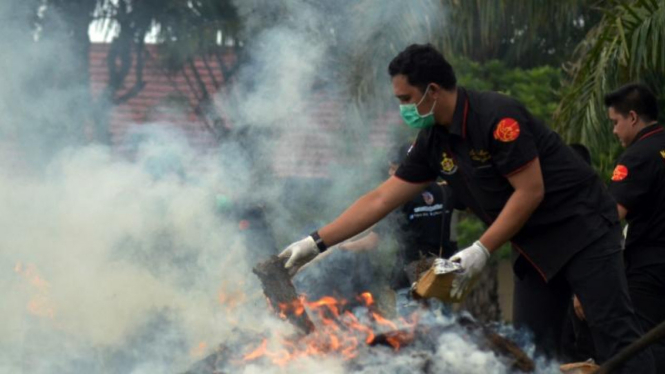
(480, 156)
(448, 164)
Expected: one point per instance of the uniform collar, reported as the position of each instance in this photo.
(647, 132)
(458, 126)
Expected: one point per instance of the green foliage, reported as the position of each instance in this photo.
(519, 33)
(537, 88)
(522, 33)
(470, 229)
(628, 44)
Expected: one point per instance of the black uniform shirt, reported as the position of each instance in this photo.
(638, 183)
(425, 226)
(492, 137)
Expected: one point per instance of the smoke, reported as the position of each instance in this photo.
(138, 265)
(101, 251)
(315, 81)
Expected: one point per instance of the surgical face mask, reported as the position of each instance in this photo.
(414, 119)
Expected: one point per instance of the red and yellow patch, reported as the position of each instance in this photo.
(507, 130)
(620, 173)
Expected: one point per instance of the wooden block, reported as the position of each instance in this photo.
(281, 293)
(437, 282)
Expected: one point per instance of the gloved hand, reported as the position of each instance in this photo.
(299, 253)
(473, 260)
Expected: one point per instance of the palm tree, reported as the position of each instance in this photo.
(628, 44)
(519, 33)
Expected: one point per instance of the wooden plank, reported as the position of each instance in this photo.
(504, 348)
(280, 292)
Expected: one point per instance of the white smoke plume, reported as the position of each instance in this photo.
(114, 265)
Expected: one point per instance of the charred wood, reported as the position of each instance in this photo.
(504, 348)
(654, 335)
(281, 293)
(212, 362)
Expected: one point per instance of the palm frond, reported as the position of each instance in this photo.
(627, 45)
(520, 33)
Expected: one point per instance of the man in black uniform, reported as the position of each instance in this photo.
(422, 226)
(525, 184)
(638, 185)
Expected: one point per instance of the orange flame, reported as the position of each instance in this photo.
(258, 352)
(199, 350)
(40, 304)
(229, 296)
(338, 331)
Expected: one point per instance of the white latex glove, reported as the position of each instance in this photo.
(299, 253)
(473, 260)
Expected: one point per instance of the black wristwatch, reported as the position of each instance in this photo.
(319, 242)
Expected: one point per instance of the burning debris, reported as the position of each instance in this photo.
(40, 304)
(281, 294)
(358, 336)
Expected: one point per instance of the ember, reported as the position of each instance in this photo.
(40, 304)
(355, 335)
(336, 332)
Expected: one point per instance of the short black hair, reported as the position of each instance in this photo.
(636, 97)
(422, 64)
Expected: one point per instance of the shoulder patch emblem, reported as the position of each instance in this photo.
(507, 130)
(662, 153)
(620, 173)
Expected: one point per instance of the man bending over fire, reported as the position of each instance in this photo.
(528, 187)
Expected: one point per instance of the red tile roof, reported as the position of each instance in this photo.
(166, 98)
(162, 92)
(310, 151)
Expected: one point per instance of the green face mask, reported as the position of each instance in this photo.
(413, 119)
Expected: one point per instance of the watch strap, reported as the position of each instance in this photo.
(319, 242)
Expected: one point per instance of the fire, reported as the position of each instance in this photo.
(229, 296)
(40, 304)
(338, 331)
(258, 352)
(199, 350)
(230, 299)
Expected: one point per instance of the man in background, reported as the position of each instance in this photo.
(638, 186)
(422, 228)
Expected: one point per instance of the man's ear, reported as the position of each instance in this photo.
(633, 117)
(435, 90)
